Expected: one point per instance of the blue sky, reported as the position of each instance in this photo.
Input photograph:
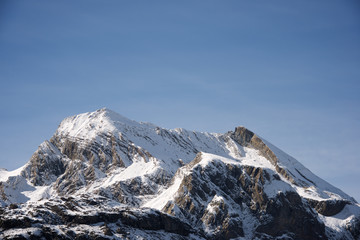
(288, 70)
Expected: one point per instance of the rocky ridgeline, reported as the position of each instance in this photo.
(102, 176)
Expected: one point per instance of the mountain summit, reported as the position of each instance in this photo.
(104, 176)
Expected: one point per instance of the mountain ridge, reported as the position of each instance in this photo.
(222, 185)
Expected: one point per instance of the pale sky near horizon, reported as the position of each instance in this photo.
(288, 70)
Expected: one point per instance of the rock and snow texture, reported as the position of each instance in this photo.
(103, 175)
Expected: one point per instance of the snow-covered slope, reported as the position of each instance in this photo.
(231, 185)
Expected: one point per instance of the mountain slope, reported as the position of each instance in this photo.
(103, 175)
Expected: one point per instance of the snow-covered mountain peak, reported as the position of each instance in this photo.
(215, 186)
(89, 125)
(169, 149)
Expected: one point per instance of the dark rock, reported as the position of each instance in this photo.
(174, 225)
(87, 219)
(51, 234)
(13, 206)
(45, 165)
(290, 215)
(328, 208)
(247, 138)
(71, 233)
(107, 231)
(242, 136)
(354, 228)
(155, 221)
(192, 193)
(9, 223)
(121, 231)
(230, 229)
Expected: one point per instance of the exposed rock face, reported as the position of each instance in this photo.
(88, 157)
(102, 176)
(291, 216)
(242, 187)
(102, 156)
(328, 208)
(354, 228)
(247, 138)
(45, 166)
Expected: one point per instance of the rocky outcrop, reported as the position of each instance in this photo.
(211, 195)
(2, 192)
(92, 160)
(103, 154)
(329, 207)
(214, 221)
(289, 215)
(247, 138)
(353, 226)
(45, 165)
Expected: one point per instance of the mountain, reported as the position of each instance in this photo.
(103, 176)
